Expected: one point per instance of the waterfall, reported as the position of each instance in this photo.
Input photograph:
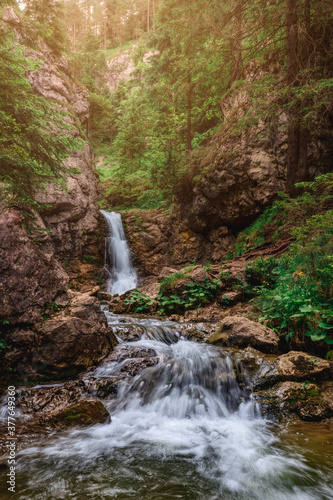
(122, 276)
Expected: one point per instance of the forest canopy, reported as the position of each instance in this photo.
(187, 58)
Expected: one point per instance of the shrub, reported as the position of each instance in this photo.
(138, 302)
(300, 303)
(194, 296)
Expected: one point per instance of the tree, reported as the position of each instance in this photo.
(48, 16)
(34, 136)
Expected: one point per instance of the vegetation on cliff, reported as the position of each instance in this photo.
(35, 134)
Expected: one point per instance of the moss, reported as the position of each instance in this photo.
(83, 413)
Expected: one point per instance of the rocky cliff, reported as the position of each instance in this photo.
(159, 238)
(40, 252)
(239, 174)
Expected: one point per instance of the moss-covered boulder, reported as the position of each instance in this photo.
(82, 413)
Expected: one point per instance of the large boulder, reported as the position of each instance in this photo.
(61, 406)
(237, 331)
(61, 347)
(31, 278)
(294, 366)
(311, 402)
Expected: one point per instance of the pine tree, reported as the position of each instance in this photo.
(34, 137)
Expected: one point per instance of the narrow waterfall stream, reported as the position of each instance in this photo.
(182, 428)
(122, 276)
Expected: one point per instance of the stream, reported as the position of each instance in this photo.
(184, 428)
(180, 429)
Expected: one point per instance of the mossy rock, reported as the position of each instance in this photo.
(83, 413)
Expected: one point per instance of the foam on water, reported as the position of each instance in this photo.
(183, 428)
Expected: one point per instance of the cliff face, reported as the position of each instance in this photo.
(71, 213)
(38, 251)
(159, 239)
(239, 175)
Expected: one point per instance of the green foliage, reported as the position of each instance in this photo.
(30, 152)
(256, 233)
(138, 302)
(300, 303)
(90, 259)
(279, 220)
(262, 272)
(48, 17)
(194, 295)
(170, 282)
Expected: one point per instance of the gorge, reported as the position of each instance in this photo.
(166, 315)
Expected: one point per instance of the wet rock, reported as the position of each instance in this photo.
(130, 333)
(61, 347)
(237, 331)
(131, 360)
(102, 388)
(30, 277)
(294, 366)
(45, 402)
(61, 406)
(134, 366)
(249, 362)
(82, 413)
(311, 402)
(123, 352)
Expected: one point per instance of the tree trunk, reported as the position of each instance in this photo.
(238, 43)
(297, 136)
(189, 113)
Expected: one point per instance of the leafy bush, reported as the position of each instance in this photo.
(138, 302)
(301, 304)
(262, 272)
(194, 296)
(286, 213)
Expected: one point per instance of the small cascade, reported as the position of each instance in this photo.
(121, 274)
(180, 428)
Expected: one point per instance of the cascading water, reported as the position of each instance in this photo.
(181, 429)
(122, 276)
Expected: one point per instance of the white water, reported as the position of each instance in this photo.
(180, 429)
(122, 276)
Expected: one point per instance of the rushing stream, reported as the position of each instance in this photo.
(182, 428)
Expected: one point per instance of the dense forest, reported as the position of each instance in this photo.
(162, 120)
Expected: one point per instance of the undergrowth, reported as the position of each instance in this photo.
(279, 220)
(193, 296)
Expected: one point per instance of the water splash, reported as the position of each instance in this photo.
(121, 274)
(180, 429)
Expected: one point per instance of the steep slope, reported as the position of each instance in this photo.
(40, 252)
